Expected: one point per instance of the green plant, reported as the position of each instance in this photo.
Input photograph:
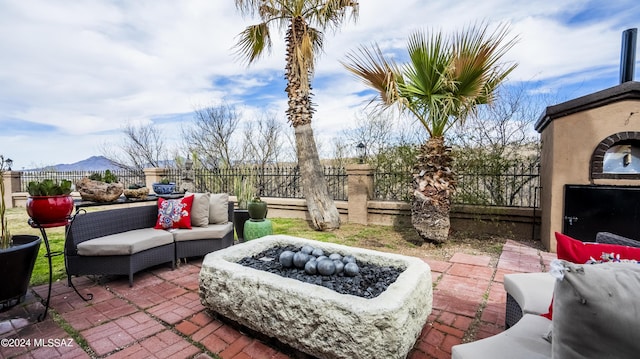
(5, 239)
(165, 180)
(136, 186)
(108, 177)
(244, 189)
(48, 187)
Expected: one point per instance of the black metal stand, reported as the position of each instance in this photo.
(49, 254)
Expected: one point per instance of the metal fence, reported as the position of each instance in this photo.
(517, 186)
(126, 177)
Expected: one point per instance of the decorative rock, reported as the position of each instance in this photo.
(348, 259)
(286, 259)
(339, 266)
(311, 267)
(98, 191)
(335, 256)
(326, 267)
(307, 250)
(138, 193)
(351, 269)
(317, 252)
(300, 259)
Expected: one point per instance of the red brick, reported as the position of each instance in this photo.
(236, 347)
(449, 330)
(227, 333)
(258, 350)
(470, 259)
(187, 328)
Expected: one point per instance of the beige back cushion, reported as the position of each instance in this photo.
(200, 209)
(218, 208)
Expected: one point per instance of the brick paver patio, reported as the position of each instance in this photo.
(161, 316)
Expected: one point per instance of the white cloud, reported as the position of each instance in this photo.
(88, 67)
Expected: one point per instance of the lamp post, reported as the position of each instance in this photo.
(361, 151)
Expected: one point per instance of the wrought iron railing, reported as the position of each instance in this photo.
(517, 186)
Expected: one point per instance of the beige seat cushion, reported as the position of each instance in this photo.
(532, 291)
(522, 341)
(125, 243)
(212, 231)
(200, 209)
(218, 208)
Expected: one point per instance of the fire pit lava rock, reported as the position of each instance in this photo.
(314, 319)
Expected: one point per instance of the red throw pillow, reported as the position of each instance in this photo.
(174, 213)
(579, 252)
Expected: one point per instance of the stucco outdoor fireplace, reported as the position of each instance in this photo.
(590, 165)
(590, 160)
(314, 319)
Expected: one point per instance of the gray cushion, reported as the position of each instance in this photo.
(125, 243)
(522, 341)
(610, 238)
(218, 208)
(212, 231)
(200, 209)
(596, 311)
(532, 291)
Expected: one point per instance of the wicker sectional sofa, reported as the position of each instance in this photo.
(123, 241)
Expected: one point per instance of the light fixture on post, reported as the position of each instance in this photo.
(361, 151)
(9, 162)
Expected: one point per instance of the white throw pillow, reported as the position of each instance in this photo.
(200, 209)
(218, 208)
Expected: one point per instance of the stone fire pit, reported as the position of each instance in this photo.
(315, 319)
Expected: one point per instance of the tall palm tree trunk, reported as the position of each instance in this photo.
(433, 185)
(322, 209)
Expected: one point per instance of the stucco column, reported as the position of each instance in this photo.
(360, 182)
(154, 175)
(11, 184)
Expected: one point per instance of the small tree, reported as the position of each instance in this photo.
(143, 146)
(211, 135)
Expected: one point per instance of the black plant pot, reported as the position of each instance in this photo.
(240, 216)
(16, 266)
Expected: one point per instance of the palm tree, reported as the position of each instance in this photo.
(443, 82)
(303, 43)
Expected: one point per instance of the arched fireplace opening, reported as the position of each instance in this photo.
(617, 157)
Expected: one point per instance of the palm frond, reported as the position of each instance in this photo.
(252, 42)
(378, 73)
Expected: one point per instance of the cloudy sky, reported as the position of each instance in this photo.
(73, 72)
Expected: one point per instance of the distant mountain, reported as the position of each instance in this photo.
(94, 163)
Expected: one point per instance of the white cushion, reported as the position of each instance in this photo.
(212, 231)
(200, 209)
(532, 291)
(218, 208)
(125, 243)
(522, 341)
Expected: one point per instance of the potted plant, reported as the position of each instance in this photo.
(244, 190)
(164, 186)
(49, 203)
(257, 209)
(17, 257)
(136, 191)
(100, 188)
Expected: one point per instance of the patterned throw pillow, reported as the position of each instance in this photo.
(174, 213)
